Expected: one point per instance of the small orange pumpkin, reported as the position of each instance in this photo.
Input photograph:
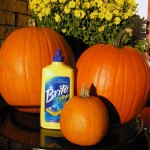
(84, 120)
(22, 56)
(118, 74)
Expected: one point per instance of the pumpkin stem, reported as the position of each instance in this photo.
(119, 40)
(84, 91)
(32, 23)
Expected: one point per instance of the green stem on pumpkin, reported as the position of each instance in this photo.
(84, 91)
(119, 40)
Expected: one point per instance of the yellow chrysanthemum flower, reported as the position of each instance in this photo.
(116, 12)
(131, 2)
(32, 5)
(130, 12)
(46, 11)
(46, 1)
(67, 9)
(40, 15)
(86, 5)
(101, 15)
(37, 10)
(78, 3)
(79, 13)
(99, 3)
(92, 3)
(94, 14)
(82, 14)
(62, 1)
(102, 9)
(83, 28)
(100, 29)
(125, 16)
(54, 1)
(38, 1)
(120, 2)
(117, 20)
(110, 24)
(42, 5)
(110, 7)
(72, 4)
(64, 30)
(108, 16)
(57, 18)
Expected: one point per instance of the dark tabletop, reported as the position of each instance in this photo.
(22, 131)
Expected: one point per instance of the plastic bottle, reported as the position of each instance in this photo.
(57, 89)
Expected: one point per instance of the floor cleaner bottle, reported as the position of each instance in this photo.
(57, 89)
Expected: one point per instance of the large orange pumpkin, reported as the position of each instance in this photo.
(22, 56)
(120, 75)
(84, 119)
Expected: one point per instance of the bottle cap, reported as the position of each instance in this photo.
(58, 57)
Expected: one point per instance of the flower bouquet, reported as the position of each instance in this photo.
(91, 21)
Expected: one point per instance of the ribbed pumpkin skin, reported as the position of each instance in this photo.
(22, 56)
(84, 121)
(120, 75)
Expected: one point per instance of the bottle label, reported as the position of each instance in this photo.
(56, 94)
